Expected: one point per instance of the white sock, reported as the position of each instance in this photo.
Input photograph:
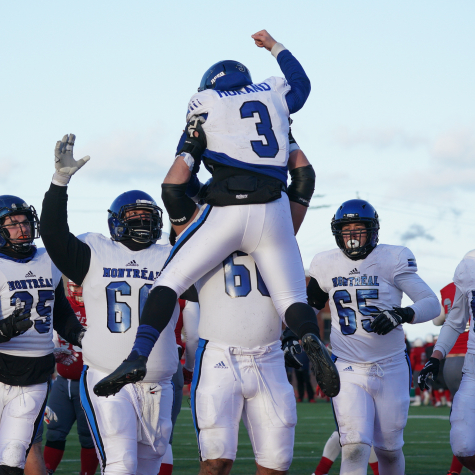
(332, 448)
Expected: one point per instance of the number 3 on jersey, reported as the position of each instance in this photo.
(263, 127)
(347, 315)
(119, 314)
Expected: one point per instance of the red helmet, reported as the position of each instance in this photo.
(75, 292)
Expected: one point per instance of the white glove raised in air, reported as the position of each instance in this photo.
(64, 162)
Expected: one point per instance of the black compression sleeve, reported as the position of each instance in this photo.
(317, 298)
(65, 321)
(159, 307)
(191, 294)
(70, 255)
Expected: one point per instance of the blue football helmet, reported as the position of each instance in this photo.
(356, 211)
(10, 206)
(143, 228)
(226, 76)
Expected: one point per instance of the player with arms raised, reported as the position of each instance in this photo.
(132, 428)
(244, 144)
(364, 283)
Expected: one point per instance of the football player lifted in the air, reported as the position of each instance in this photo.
(364, 283)
(462, 416)
(132, 428)
(32, 303)
(240, 370)
(246, 148)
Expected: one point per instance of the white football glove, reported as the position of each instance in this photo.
(64, 162)
(65, 356)
(50, 415)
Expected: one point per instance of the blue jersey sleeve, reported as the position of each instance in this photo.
(297, 79)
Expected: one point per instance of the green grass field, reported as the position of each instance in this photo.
(427, 447)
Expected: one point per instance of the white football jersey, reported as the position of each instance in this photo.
(114, 292)
(248, 128)
(464, 279)
(235, 306)
(34, 283)
(355, 290)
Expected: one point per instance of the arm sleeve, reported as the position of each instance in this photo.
(426, 304)
(317, 298)
(454, 325)
(65, 321)
(297, 79)
(70, 255)
(191, 320)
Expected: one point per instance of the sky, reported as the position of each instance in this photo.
(390, 119)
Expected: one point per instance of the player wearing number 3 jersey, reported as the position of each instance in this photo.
(131, 429)
(364, 283)
(244, 143)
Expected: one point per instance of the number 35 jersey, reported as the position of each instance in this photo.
(248, 128)
(235, 305)
(34, 283)
(356, 289)
(114, 292)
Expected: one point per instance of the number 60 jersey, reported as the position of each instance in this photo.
(356, 289)
(114, 291)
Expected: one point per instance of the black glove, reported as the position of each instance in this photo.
(16, 324)
(429, 371)
(195, 143)
(388, 320)
(291, 347)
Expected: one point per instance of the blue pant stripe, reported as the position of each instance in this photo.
(188, 233)
(194, 386)
(410, 370)
(89, 411)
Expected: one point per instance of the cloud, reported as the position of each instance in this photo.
(455, 148)
(416, 231)
(378, 138)
(6, 168)
(126, 156)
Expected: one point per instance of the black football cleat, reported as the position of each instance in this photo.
(128, 372)
(323, 367)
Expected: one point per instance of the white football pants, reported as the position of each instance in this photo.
(462, 417)
(373, 402)
(131, 429)
(264, 231)
(230, 383)
(21, 413)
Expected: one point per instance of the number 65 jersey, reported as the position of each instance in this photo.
(357, 289)
(114, 291)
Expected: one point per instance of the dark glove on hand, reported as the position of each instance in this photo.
(291, 348)
(16, 324)
(429, 371)
(388, 320)
(195, 142)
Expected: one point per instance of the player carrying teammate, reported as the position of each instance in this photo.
(131, 430)
(32, 303)
(364, 283)
(462, 416)
(247, 151)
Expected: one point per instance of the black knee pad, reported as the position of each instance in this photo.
(56, 444)
(159, 307)
(6, 470)
(301, 319)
